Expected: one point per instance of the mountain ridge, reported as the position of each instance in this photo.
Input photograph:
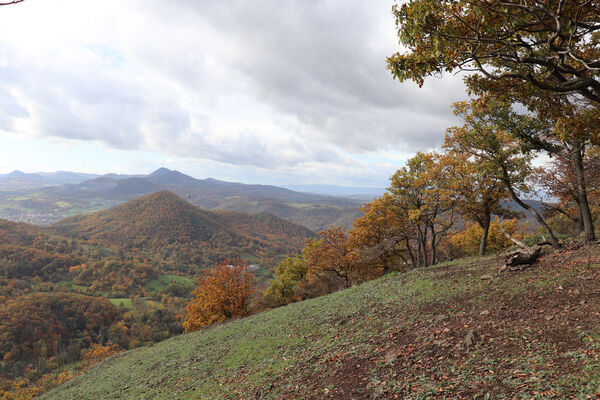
(316, 212)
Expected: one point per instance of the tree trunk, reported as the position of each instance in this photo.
(410, 253)
(484, 235)
(580, 226)
(423, 247)
(522, 257)
(433, 246)
(533, 211)
(586, 213)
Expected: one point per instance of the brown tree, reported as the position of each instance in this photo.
(478, 187)
(490, 135)
(223, 293)
(419, 191)
(331, 263)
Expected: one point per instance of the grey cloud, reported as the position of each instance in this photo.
(324, 62)
(318, 67)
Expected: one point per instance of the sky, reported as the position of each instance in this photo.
(261, 91)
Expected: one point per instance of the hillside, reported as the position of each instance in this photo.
(163, 220)
(455, 330)
(48, 204)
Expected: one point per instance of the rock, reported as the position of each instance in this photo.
(470, 338)
(380, 389)
(486, 277)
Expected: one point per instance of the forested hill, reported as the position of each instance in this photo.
(163, 222)
(115, 280)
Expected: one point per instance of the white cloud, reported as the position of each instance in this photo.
(291, 86)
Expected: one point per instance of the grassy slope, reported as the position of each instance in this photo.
(536, 336)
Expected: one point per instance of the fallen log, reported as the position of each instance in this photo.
(525, 256)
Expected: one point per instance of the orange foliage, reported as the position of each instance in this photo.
(332, 265)
(223, 293)
(98, 353)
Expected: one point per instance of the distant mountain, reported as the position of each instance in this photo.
(50, 204)
(355, 192)
(18, 180)
(163, 222)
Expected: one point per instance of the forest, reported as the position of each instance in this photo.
(89, 286)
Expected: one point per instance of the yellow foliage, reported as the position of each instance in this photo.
(96, 354)
(467, 240)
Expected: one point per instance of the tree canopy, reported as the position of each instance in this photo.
(551, 45)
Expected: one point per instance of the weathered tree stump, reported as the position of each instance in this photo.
(524, 256)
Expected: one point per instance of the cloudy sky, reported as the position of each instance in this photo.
(258, 91)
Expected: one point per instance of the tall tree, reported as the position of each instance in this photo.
(419, 193)
(478, 188)
(575, 130)
(331, 261)
(490, 135)
(382, 237)
(551, 45)
(559, 178)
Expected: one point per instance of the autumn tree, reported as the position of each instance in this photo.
(573, 133)
(291, 275)
(420, 193)
(558, 179)
(331, 264)
(550, 45)
(477, 184)
(382, 238)
(223, 293)
(489, 135)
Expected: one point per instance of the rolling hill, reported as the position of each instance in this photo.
(164, 222)
(49, 204)
(456, 330)
(122, 275)
(139, 244)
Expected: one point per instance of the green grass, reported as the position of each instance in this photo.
(336, 346)
(162, 281)
(122, 302)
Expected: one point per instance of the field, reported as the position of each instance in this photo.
(44, 207)
(456, 330)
